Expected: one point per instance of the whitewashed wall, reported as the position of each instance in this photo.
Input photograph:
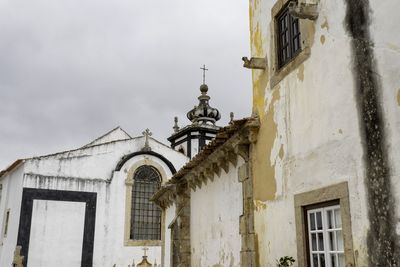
(169, 217)
(215, 211)
(88, 169)
(11, 199)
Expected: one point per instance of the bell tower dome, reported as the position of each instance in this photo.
(191, 138)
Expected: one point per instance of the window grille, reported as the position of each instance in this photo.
(288, 34)
(145, 215)
(325, 237)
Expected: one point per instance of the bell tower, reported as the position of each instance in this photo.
(193, 137)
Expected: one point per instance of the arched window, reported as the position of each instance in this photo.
(145, 215)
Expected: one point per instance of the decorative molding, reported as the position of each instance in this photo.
(230, 142)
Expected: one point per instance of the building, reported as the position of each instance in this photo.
(91, 206)
(313, 174)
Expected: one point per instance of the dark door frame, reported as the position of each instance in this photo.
(25, 221)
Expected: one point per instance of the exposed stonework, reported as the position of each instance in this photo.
(18, 258)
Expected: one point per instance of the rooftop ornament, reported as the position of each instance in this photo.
(203, 113)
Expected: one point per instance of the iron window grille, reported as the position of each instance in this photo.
(288, 34)
(145, 215)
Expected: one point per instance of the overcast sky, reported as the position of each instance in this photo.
(71, 70)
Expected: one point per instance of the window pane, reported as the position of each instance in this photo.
(329, 216)
(319, 220)
(315, 260)
(312, 221)
(332, 241)
(341, 260)
(339, 240)
(314, 242)
(338, 219)
(322, 260)
(333, 260)
(320, 242)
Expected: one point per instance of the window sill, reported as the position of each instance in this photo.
(280, 74)
(143, 243)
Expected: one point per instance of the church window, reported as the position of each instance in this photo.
(325, 237)
(145, 215)
(288, 37)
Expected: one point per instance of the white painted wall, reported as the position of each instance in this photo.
(169, 217)
(215, 211)
(56, 234)
(11, 199)
(88, 170)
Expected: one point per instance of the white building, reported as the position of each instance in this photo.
(91, 206)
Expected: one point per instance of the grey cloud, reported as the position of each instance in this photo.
(71, 70)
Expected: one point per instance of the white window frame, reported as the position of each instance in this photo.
(327, 232)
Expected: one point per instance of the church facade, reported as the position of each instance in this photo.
(88, 206)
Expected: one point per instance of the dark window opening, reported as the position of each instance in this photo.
(288, 34)
(145, 215)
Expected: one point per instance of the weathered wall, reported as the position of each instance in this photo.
(56, 233)
(215, 211)
(89, 170)
(310, 122)
(11, 199)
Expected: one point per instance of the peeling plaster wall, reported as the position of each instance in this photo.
(89, 170)
(309, 136)
(215, 211)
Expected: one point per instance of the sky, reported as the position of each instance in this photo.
(71, 70)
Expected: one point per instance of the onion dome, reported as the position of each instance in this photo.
(203, 113)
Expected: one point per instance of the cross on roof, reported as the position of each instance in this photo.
(204, 73)
(146, 135)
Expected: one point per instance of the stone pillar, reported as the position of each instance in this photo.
(248, 251)
(183, 212)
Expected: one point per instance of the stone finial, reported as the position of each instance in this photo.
(146, 134)
(176, 127)
(18, 258)
(231, 115)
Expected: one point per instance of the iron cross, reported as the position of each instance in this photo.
(204, 73)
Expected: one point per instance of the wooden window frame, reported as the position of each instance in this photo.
(291, 28)
(323, 208)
